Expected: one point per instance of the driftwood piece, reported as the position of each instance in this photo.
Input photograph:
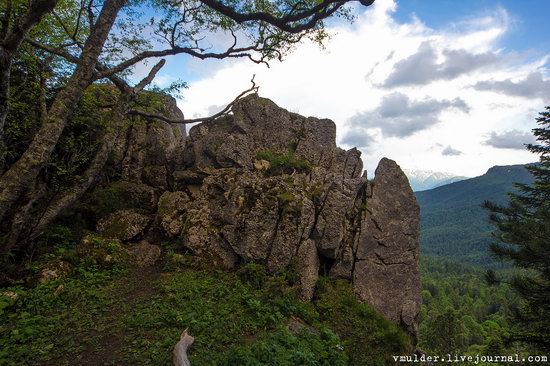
(180, 349)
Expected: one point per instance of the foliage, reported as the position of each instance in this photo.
(460, 312)
(453, 223)
(446, 332)
(40, 322)
(280, 347)
(80, 139)
(237, 318)
(284, 163)
(523, 231)
(368, 338)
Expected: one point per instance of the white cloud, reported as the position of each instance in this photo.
(450, 151)
(512, 139)
(533, 86)
(331, 83)
(422, 67)
(398, 116)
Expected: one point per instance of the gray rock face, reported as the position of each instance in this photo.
(388, 250)
(146, 151)
(269, 186)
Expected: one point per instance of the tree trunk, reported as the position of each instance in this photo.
(9, 46)
(21, 220)
(20, 175)
(89, 178)
(5, 65)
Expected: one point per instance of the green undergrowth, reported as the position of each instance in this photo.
(120, 317)
(284, 163)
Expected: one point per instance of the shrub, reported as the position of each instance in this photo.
(284, 163)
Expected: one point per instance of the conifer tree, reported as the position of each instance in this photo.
(523, 233)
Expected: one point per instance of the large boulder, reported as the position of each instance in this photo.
(144, 254)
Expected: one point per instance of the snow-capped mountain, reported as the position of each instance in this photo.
(422, 180)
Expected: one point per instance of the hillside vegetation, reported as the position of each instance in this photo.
(117, 315)
(453, 223)
(460, 312)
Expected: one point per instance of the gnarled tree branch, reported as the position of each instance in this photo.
(224, 111)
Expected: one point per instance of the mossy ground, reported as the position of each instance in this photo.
(121, 316)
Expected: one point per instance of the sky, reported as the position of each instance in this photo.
(441, 85)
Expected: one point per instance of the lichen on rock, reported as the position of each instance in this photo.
(125, 225)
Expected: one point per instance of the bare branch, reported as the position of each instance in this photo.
(149, 78)
(119, 83)
(90, 13)
(224, 111)
(229, 53)
(180, 349)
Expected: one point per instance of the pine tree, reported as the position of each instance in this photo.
(523, 232)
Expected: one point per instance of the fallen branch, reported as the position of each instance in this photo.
(180, 350)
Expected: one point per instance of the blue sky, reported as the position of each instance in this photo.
(440, 85)
(531, 25)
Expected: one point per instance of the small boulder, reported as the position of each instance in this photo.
(13, 296)
(143, 254)
(171, 212)
(297, 325)
(54, 270)
(125, 225)
(262, 165)
(59, 290)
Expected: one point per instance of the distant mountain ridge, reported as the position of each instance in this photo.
(453, 223)
(421, 180)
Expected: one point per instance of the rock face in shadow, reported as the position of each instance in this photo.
(270, 186)
(148, 149)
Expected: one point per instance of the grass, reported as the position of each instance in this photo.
(284, 163)
(120, 317)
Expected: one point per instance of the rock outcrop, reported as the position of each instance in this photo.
(270, 186)
(148, 149)
(388, 250)
(124, 225)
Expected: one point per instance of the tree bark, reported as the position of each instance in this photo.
(21, 219)
(90, 176)
(20, 175)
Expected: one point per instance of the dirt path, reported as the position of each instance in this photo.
(103, 347)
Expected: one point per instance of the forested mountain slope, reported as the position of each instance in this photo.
(453, 223)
